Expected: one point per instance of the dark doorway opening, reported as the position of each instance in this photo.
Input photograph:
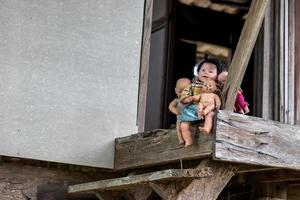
(181, 35)
(198, 31)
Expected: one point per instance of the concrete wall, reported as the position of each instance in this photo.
(69, 74)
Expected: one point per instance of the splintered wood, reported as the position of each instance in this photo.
(252, 140)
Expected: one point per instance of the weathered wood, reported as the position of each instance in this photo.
(104, 195)
(246, 139)
(144, 64)
(243, 52)
(274, 176)
(243, 168)
(209, 188)
(158, 147)
(297, 61)
(167, 191)
(127, 182)
(141, 192)
(171, 191)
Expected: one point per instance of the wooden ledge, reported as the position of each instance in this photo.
(128, 181)
(159, 147)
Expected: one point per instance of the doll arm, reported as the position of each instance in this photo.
(186, 92)
(173, 107)
(196, 98)
(217, 101)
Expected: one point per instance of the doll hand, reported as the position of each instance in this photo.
(188, 100)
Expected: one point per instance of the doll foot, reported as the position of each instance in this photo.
(181, 142)
(203, 130)
(188, 144)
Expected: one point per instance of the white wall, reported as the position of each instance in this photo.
(69, 73)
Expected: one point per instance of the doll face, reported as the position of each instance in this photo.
(180, 85)
(208, 71)
(222, 77)
(210, 86)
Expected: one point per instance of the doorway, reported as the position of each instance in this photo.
(190, 30)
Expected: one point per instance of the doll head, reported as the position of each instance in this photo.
(210, 86)
(209, 68)
(222, 77)
(181, 84)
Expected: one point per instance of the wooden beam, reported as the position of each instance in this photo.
(243, 52)
(274, 176)
(297, 61)
(144, 69)
(129, 181)
(252, 140)
(158, 147)
(209, 188)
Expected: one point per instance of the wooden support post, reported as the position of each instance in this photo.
(199, 189)
(209, 188)
(144, 64)
(104, 196)
(165, 191)
(243, 52)
(141, 192)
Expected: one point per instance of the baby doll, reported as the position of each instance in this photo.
(176, 106)
(208, 101)
(240, 106)
(208, 69)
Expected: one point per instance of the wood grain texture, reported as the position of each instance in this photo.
(251, 140)
(133, 180)
(209, 188)
(144, 64)
(243, 52)
(158, 147)
(297, 62)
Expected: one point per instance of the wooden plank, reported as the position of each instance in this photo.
(144, 64)
(297, 61)
(126, 182)
(158, 147)
(251, 140)
(209, 188)
(243, 52)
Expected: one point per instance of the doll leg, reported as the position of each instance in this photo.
(246, 109)
(208, 109)
(200, 110)
(208, 123)
(186, 133)
(179, 134)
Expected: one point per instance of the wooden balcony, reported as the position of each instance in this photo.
(237, 138)
(240, 144)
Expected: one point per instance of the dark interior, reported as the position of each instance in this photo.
(205, 25)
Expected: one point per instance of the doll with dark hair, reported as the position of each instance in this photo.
(208, 69)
